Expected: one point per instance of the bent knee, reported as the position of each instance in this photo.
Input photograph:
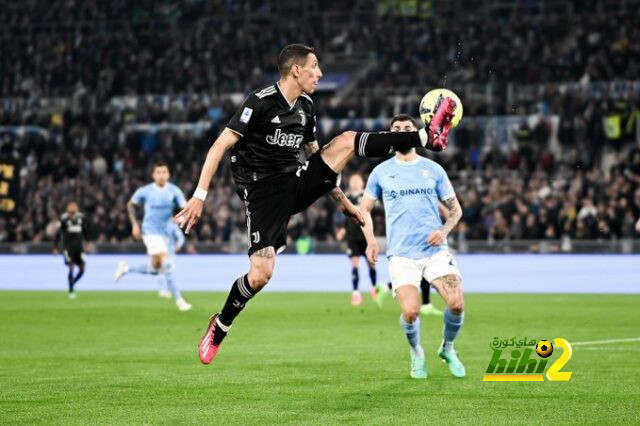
(156, 262)
(348, 135)
(456, 306)
(260, 277)
(411, 313)
(346, 139)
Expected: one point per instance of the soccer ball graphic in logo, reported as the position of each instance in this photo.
(544, 348)
(431, 101)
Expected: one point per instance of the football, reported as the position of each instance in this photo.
(430, 102)
(544, 348)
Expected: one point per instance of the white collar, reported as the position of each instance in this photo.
(406, 163)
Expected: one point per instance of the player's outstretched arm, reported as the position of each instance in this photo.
(454, 215)
(372, 244)
(190, 215)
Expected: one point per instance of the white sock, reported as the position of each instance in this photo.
(223, 327)
(417, 351)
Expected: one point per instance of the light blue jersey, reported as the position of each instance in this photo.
(410, 192)
(159, 204)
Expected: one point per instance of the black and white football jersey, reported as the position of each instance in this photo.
(272, 131)
(72, 230)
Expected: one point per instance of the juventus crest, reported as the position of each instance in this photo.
(303, 117)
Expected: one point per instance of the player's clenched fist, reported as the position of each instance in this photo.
(372, 253)
(436, 238)
(190, 215)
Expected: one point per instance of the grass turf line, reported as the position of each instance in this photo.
(301, 358)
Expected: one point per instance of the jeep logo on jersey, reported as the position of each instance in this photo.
(285, 139)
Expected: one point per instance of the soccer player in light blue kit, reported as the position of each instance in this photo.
(175, 242)
(159, 198)
(411, 187)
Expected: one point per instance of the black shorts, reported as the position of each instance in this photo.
(356, 248)
(270, 204)
(73, 255)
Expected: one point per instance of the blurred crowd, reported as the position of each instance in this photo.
(64, 63)
(59, 48)
(523, 192)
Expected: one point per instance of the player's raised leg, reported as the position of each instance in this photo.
(337, 153)
(242, 290)
(153, 267)
(451, 289)
(409, 300)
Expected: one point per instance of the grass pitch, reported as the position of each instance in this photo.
(305, 358)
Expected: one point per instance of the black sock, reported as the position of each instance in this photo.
(373, 275)
(239, 295)
(70, 280)
(355, 278)
(389, 285)
(426, 294)
(380, 144)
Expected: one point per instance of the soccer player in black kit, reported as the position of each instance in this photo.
(264, 138)
(71, 233)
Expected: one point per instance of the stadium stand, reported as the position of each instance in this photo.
(91, 94)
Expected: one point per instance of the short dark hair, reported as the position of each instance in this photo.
(404, 117)
(160, 164)
(293, 54)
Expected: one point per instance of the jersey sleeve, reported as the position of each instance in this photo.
(139, 196)
(373, 189)
(310, 128)
(179, 197)
(247, 112)
(444, 187)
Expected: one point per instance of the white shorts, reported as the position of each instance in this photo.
(405, 271)
(156, 244)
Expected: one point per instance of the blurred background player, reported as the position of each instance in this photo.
(71, 233)
(411, 187)
(159, 198)
(404, 123)
(356, 243)
(175, 242)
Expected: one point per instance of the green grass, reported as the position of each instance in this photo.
(307, 358)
